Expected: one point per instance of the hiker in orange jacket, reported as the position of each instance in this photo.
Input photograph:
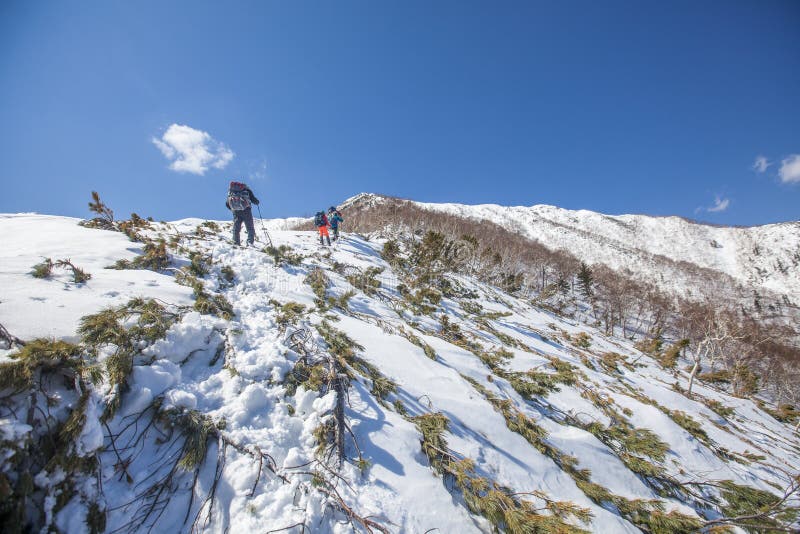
(321, 222)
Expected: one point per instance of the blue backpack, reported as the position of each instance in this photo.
(238, 196)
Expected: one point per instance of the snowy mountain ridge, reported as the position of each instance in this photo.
(661, 250)
(198, 386)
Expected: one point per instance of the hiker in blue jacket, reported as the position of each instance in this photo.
(334, 218)
(240, 197)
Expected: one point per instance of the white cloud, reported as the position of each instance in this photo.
(790, 169)
(191, 150)
(761, 164)
(720, 204)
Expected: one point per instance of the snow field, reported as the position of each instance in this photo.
(244, 389)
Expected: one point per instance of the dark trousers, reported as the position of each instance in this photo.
(243, 216)
(335, 232)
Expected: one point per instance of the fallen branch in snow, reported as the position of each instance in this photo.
(255, 453)
(185, 434)
(777, 516)
(301, 525)
(367, 523)
(221, 457)
(7, 341)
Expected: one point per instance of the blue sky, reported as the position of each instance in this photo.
(648, 107)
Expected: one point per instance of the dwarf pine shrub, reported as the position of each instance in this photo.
(79, 276)
(366, 281)
(652, 518)
(748, 501)
(228, 274)
(429, 352)
(532, 384)
(129, 329)
(582, 340)
(97, 206)
(686, 422)
(642, 467)
(651, 345)
(518, 422)
(744, 381)
(196, 429)
(211, 225)
(639, 441)
(289, 313)
(383, 386)
(45, 355)
(43, 269)
(132, 226)
(198, 265)
(319, 282)
(505, 339)
(342, 301)
(400, 407)
(283, 254)
(325, 435)
(472, 307)
(432, 427)
(670, 357)
(716, 377)
(154, 257)
(105, 216)
(36, 377)
(609, 361)
(719, 408)
(785, 413)
(492, 316)
(423, 301)
(450, 330)
(205, 302)
(501, 506)
(391, 252)
(216, 304)
(344, 348)
(311, 376)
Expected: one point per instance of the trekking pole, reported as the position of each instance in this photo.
(260, 218)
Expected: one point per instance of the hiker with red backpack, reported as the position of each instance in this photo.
(240, 197)
(321, 222)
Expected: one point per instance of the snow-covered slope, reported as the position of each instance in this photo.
(44, 308)
(666, 251)
(247, 387)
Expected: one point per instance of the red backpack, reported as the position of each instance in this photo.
(238, 196)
